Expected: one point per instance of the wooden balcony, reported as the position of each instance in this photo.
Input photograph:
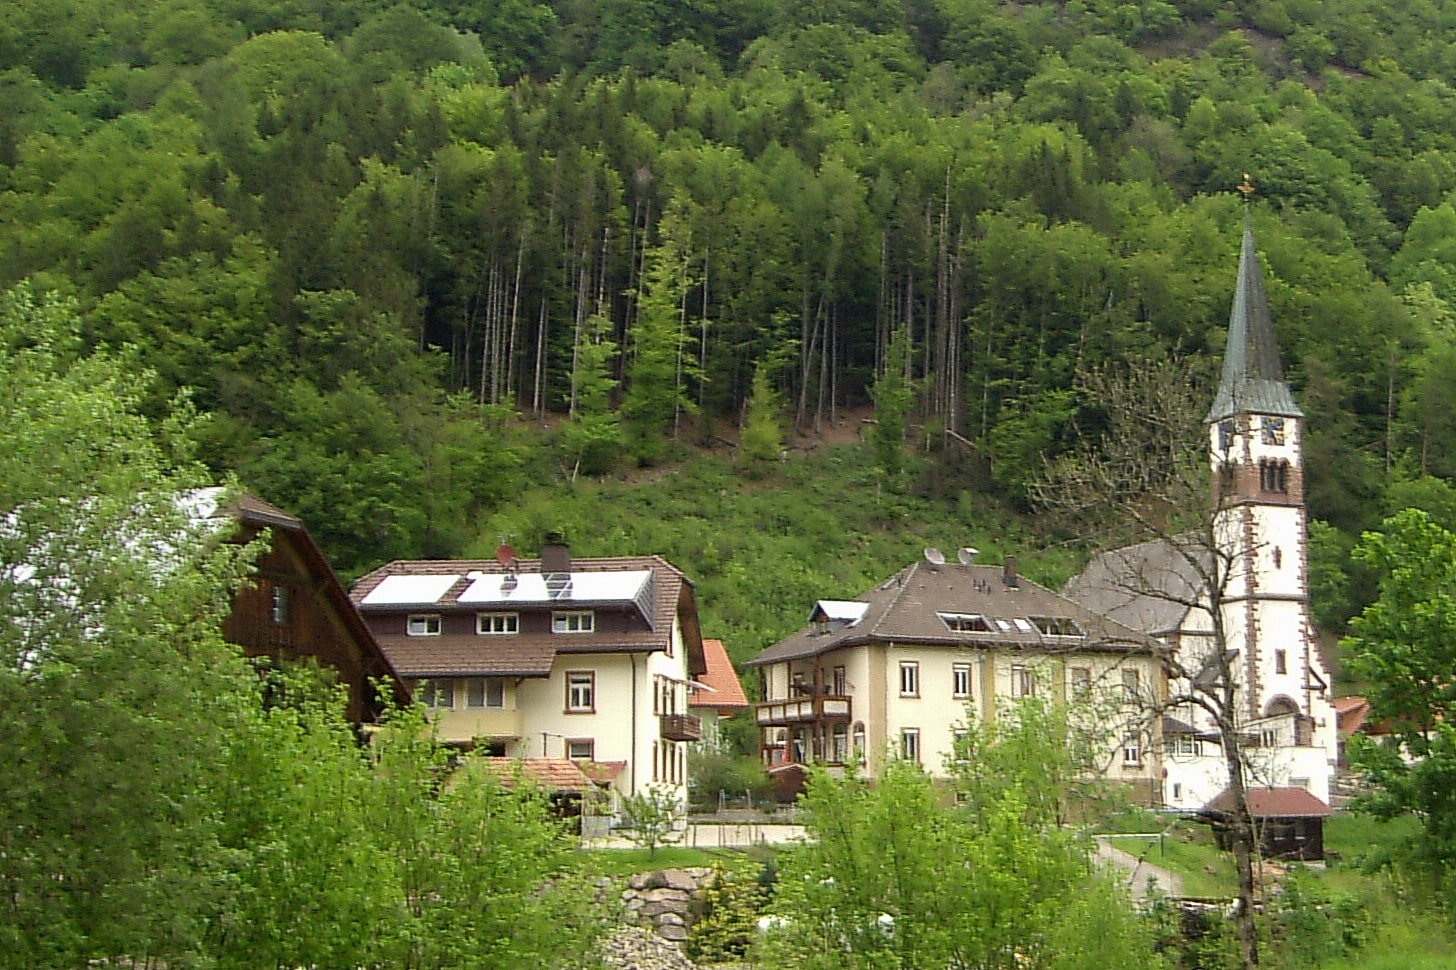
(802, 710)
(681, 727)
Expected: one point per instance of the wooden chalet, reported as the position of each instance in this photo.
(295, 608)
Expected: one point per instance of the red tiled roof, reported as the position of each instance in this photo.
(1351, 712)
(602, 772)
(719, 687)
(552, 774)
(1272, 803)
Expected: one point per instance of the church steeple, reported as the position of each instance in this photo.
(1253, 381)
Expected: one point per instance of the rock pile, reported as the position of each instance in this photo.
(636, 948)
(666, 901)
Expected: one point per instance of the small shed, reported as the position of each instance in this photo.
(1289, 822)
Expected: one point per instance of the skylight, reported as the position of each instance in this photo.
(1057, 626)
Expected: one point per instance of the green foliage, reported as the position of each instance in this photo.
(735, 775)
(652, 817)
(892, 394)
(592, 439)
(983, 888)
(761, 441)
(1401, 644)
(728, 926)
(119, 689)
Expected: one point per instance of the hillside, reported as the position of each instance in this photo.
(384, 243)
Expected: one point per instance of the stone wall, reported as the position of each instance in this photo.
(666, 901)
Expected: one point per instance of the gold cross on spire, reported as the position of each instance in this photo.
(1247, 187)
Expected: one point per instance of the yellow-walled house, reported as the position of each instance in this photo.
(898, 672)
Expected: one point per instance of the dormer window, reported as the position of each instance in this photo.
(573, 621)
(1056, 626)
(1272, 431)
(423, 625)
(965, 622)
(497, 624)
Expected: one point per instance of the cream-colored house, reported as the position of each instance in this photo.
(895, 673)
(589, 660)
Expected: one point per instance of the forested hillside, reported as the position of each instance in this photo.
(365, 236)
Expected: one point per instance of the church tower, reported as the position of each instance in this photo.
(1256, 438)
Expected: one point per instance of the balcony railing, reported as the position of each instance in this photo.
(798, 710)
(681, 727)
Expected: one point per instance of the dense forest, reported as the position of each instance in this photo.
(367, 239)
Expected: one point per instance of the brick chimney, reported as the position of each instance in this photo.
(555, 554)
(1008, 573)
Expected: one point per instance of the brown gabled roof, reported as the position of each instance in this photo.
(469, 656)
(1272, 803)
(718, 688)
(672, 591)
(905, 610)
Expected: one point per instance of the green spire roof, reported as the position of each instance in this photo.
(1253, 381)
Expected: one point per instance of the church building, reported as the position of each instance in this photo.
(1257, 559)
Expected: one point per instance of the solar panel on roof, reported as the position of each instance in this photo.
(410, 590)
(624, 586)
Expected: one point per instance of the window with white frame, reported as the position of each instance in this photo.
(497, 624)
(573, 621)
(960, 681)
(438, 693)
(281, 605)
(910, 743)
(840, 682)
(580, 749)
(909, 678)
(485, 692)
(1023, 681)
(423, 625)
(1132, 749)
(581, 691)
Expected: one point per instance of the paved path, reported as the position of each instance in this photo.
(1137, 870)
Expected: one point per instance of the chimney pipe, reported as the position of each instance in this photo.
(1008, 572)
(555, 554)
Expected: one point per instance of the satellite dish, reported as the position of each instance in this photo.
(505, 555)
(934, 556)
(967, 555)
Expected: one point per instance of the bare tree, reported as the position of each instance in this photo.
(1141, 482)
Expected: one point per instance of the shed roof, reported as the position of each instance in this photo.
(1269, 802)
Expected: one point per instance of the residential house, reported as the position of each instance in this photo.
(897, 672)
(585, 659)
(1256, 437)
(295, 608)
(717, 694)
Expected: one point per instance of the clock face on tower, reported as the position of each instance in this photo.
(1273, 431)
